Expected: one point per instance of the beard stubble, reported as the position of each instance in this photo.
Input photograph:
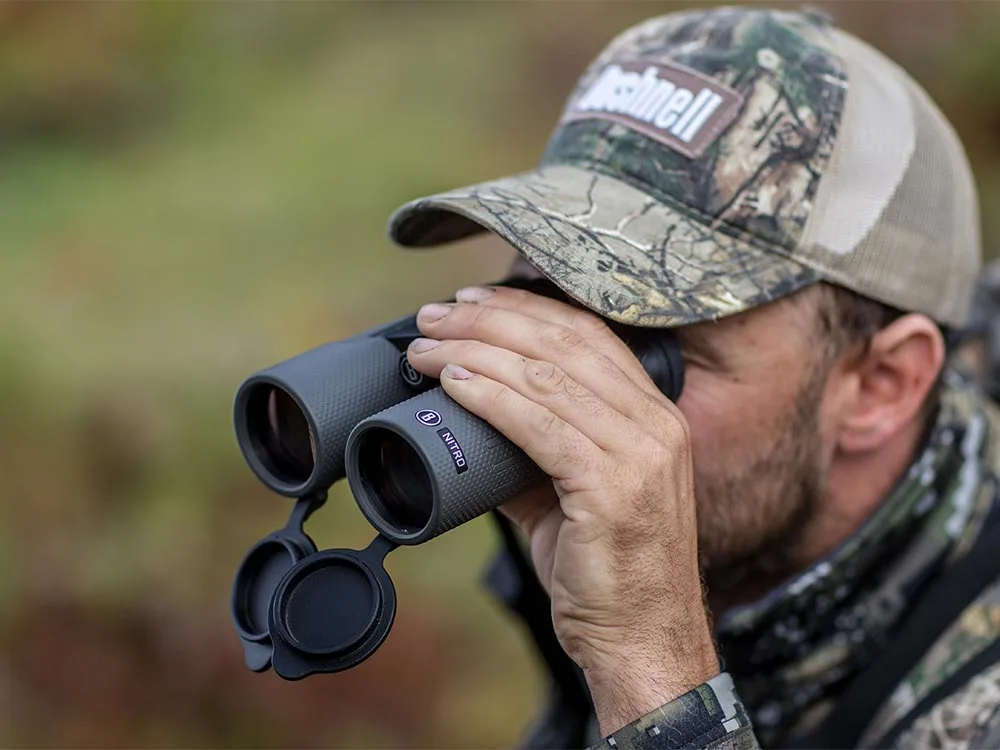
(751, 519)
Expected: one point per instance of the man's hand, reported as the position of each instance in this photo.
(614, 537)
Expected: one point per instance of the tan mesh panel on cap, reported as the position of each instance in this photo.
(896, 216)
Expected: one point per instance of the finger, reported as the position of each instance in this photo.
(559, 449)
(586, 323)
(539, 515)
(590, 326)
(544, 341)
(541, 382)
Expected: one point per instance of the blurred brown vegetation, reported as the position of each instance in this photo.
(190, 192)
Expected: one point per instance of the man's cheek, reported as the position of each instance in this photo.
(703, 401)
(707, 418)
(724, 420)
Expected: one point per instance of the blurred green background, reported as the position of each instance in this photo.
(190, 192)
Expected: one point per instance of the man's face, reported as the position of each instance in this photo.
(753, 398)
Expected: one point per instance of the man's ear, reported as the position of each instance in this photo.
(892, 379)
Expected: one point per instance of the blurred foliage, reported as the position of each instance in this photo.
(190, 192)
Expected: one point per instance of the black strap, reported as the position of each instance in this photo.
(954, 590)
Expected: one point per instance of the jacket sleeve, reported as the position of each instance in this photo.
(710, 716)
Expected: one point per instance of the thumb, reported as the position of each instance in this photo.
(531, 506)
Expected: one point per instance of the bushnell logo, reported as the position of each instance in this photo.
(676, 106)
(428, 417)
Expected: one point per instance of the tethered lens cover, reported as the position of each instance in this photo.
(262, 569)
(259, 575)
(303, 611)
(332, 611)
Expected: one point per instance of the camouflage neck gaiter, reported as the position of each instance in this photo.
(792, 652)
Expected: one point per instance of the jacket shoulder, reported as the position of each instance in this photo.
(968, 718)
(966, 711)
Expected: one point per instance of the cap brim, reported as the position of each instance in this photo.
(614, 248)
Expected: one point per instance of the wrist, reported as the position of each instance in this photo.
(627, 685)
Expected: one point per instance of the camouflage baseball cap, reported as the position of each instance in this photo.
(711, 161)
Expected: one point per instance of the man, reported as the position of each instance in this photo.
(795, 208)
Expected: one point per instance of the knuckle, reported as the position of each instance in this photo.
(544, 377)
(676, 430)
(561, 339)
(666, 420)
(543, 421)
(656, 453)
(588, 475)
(499, 399)
(591, 326)
(563, 463)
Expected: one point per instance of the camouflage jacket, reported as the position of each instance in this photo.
(790, 657)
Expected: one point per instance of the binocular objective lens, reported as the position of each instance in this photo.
(395, 480)
(280, 433)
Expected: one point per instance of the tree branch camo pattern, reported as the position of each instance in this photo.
(616, 250)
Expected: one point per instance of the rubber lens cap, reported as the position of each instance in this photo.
(259, 575)
(328, 604)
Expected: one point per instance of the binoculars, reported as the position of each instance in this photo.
(417, 463)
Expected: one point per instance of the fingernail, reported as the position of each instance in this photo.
(456, 372)
(423, 345)
(474, 294)
(433, 312)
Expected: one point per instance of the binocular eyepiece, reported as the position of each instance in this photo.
(417, 463)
